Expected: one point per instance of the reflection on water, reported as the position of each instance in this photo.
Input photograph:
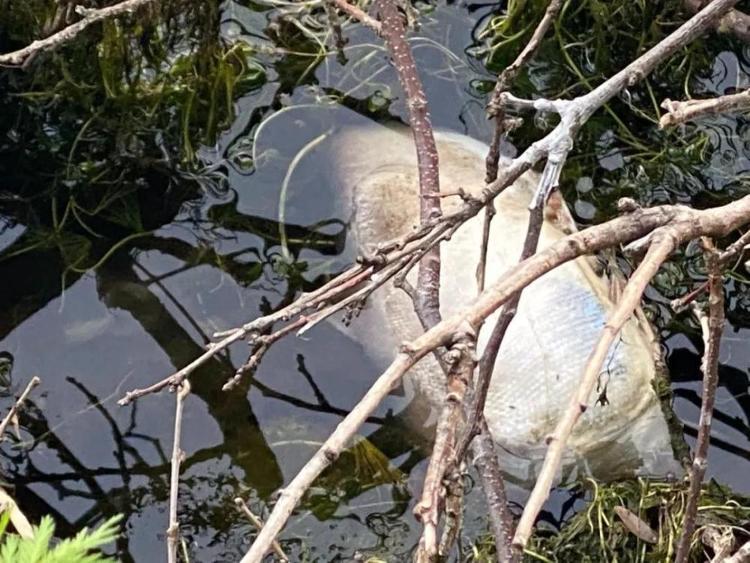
(98, 297)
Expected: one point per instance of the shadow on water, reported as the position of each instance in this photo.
(142, 209)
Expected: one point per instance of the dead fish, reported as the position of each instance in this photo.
(559, 318)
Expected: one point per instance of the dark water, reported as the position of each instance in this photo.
(99, 297)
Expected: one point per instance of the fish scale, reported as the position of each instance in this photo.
(559, 319)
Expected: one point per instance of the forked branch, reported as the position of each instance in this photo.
(685, 223)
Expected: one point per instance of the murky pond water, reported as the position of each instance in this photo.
(101, 294)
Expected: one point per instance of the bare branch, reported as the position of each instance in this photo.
(712, 327)
(680, 112)
(357, 13)
(741, 556)
(735, 22)
(501, 520)
(443, 452)
(732, 252)
(258, 523)
(63, 36)
(663, 242)
(312, 300)
(687, 223)
(441, 229)
(428, 277)
(735, 249)
(485, 460)
(510, 72)
(173, 531)
(13, 412)
(261, 346)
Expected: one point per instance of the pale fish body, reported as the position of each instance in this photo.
(558, 321)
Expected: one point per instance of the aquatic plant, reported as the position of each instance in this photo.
(81, 548)
(99, 211)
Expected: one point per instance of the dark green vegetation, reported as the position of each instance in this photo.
(152, 150)
(598, 533)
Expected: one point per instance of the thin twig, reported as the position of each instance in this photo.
(577, 112)
(712, 328)
(258, 523)
(500, 517)
(173, 531)
(358, 14)
(63, 36)
(487, 361)
(13, 412)
(508, 76)
(493, 485)
(341, 283)
(688, 223)
(661, 247)
(733, 251)
(261, 346)
(689, 110)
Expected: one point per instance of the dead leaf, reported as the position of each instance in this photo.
(17, 518)
(636, 526)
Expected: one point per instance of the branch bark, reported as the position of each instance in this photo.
(663, 243)
(443, 453)
(501, 520)
(689, 110)
(712, 327)
(357, 13)
(428, 278)
(508, 76)
(742, 555)
(173, 531)
(688, 223)
(258, 523)
(393, 254)
(734, 21)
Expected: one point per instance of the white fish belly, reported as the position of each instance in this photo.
(559, 318)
